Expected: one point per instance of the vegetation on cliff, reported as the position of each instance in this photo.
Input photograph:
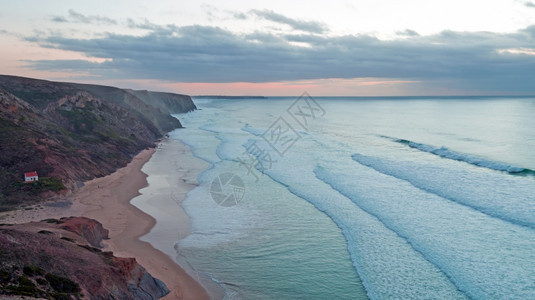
(54, 259)
(70, 133)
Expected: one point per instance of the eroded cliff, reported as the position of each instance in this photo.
(57, 259)
(70, 133)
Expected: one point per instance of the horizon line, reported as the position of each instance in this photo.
(354, 96)
(271, 96)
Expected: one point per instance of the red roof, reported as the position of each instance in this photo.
(30, 174)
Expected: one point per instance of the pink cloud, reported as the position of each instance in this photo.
(320, 87)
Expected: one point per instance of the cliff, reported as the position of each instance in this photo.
(167, 102)
(70, 133)
(147, 112)
(54, 259)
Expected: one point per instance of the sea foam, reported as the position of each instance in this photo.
(463, 243)
(468, 158)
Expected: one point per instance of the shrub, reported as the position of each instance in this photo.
(52, 221)
(23, 290)
(62, 284)
(5, 276)
(50, 184)
(60, 296)
(25, 281)
(45, 232)
(32, 270)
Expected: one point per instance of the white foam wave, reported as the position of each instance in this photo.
(480, 189)
(212, 224)
(485, 257)
(471, 159)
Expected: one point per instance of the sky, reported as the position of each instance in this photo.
(276, 48)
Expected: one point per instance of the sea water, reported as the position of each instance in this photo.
(355, 198)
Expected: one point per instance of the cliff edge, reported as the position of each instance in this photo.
(167, 102)
(57, 259)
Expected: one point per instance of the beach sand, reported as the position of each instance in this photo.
(107, 199)
(173, 172)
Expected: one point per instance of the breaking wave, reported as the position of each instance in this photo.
(468, 158)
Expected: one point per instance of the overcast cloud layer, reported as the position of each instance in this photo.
(475, 60)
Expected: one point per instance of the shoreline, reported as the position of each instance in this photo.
(172, 173)
(108, 200)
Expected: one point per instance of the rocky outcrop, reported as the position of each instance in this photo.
(140, 283)
(45, 260)
(70, 133)
(91, 230)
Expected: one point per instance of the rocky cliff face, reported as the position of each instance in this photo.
(166, 102)
(147, 112)
(70, 133)
(51, 259)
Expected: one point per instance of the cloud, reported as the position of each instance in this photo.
(529, 4)
(59, 19)
(143, 25)
(77, 17)
(239, 16)
(530, 31)
(308, 26)
(407, 32)
(516, 51)
(469, 60)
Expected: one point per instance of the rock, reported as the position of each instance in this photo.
(42, 265)
(89, 229)
(140, 283)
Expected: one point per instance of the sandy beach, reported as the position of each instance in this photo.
(107, 199)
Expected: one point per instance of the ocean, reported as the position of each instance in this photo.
(355, 198)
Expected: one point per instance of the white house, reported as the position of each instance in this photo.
(31, 176)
